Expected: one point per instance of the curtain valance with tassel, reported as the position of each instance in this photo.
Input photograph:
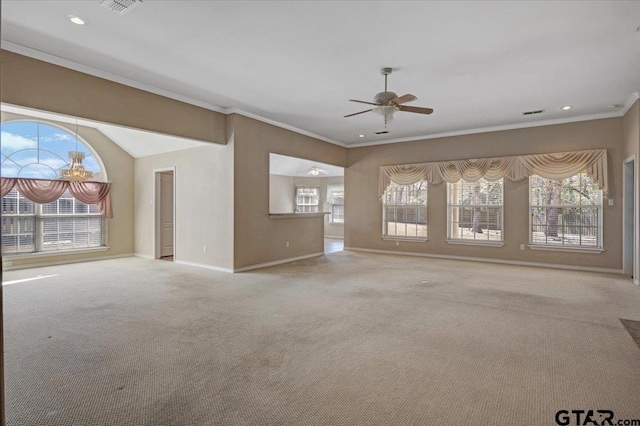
(551, 166)
(43, 191)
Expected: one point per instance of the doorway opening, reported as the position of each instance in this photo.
(165, 214)
(630, 247)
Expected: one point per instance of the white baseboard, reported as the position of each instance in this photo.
(276, 262)
(489, 260)
(636, 282)
(335, 237)
(205, 266)
(64, 262)
(144, 256)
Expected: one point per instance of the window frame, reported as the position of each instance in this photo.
(39, 216)
(331, 188)
(564, 247)
(386, 236)
(304, 206)
(469, 241)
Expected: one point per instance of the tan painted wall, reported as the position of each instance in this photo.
(631, 130)
(259, 239)
(631, 145)
(281, 194)
(204, 204)
(364, 209)
(40, 85)
(119, 167)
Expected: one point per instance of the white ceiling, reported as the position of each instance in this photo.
(478, 64)
(291, 166)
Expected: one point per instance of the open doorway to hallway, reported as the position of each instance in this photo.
(165, 214)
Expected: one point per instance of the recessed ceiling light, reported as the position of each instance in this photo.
(614, 106)
(361, 136)
(567, 107)
(77, 20)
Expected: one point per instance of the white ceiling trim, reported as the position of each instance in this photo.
(56, 60)
(282, 125)
(619, 113)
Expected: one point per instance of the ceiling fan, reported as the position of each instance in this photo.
(387, 103)
(314, 171)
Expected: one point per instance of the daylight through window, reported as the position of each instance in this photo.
(405, 210)
(34, 150)
(566, 213)
(475, 210)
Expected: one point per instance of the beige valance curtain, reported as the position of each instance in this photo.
(552, 166)
(43, 191)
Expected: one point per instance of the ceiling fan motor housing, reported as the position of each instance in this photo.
(383, 98)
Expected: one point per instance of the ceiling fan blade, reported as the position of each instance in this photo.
(326, 172)
(403, 99)
(417, 110)
(363, 102)
(356, 113)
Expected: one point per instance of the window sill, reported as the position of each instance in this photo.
(408, 239)
(19, 256)
(566, 249)
(296, 215)
(477, 243)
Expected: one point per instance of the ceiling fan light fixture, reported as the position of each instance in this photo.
(314, 172)
(386, 111)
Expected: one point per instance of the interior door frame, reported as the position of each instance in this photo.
(156, 223)
(635, 243)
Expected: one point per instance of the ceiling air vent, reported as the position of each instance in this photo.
(538, 111)
(120, 6)
(384, 132)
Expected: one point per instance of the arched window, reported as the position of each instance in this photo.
(37, 150)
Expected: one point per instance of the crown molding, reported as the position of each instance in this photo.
(66, 63)
(633, 97)
(489, 129)
(283, 126)
(56, 60)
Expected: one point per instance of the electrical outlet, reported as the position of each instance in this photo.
(521, 246)
(204, 249)
(8, 263)
(286, 244)
(397, 243)
(610, 201)
(140, 240)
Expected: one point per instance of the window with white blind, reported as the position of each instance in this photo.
(565, 213)
(475, 211)
(39, 150)
(307, 198)
(335, 198)
(404, 213)
(65, 224)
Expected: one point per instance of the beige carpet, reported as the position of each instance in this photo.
(344, 339)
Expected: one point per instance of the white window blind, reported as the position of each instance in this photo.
(475, 210)
(335, 198)
(566, 213)
(405, 210)
(307, 198)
